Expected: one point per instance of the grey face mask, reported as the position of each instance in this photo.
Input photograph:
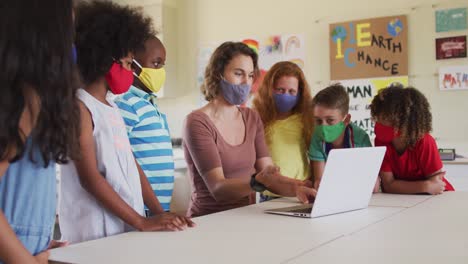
(235, 94)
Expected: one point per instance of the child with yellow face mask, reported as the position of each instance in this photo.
(333, 128)
(146, 126)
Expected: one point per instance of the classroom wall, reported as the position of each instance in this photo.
(203, 22)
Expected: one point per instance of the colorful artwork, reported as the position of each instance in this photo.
(369, 48)
(294, 49)
(271, 51)
(253, 44)
(395, 27)
(290, 47)
(452, 47)
(453, 78)
(361, 92)
(451, 20)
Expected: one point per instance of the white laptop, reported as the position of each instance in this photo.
(347, 183)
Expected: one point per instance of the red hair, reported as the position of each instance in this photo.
(265, 105)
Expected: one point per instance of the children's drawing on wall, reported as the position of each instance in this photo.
(294, 49)
(273, 49)
(451, 48)
(452, 78)
(451, 19)
(253, 44)
(369, 48)
(361, 92)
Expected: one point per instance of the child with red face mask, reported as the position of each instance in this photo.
(104, 190)
(412, 163)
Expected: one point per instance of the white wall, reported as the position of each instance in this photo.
(201, 22)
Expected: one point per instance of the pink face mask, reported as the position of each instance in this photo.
(383, 133)
(119, 79)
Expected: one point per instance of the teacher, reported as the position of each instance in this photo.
(224, 144)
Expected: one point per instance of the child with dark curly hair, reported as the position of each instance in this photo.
(412, 163)
(39, 116)
(105, 190)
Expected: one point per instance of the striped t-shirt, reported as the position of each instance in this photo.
(150, 139)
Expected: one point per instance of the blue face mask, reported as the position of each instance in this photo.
(285, 102)
(235, 94)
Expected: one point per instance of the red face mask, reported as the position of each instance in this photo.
(119, 79)
(383, 133)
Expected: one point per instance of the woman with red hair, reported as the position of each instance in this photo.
(283, 102)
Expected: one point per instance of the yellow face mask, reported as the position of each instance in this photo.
(153, 79)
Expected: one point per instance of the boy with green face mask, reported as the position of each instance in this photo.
(333, 128)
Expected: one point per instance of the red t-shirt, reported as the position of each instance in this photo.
(416, 163)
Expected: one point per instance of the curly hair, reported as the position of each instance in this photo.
(407, 109)
(334, 97)
(264, 102)
(36, 39)
(105, 32)
(218, 61)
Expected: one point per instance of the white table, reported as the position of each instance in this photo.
(457, 173)
(457, 170)
(247, 235)
(435, 231)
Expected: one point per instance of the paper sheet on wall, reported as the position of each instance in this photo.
(452, 78)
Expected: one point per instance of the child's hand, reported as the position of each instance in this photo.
(305, 194)
(42, 258)
(377, 185)
(187, 220)
(435, 184)
(57, 244)
(166, 222)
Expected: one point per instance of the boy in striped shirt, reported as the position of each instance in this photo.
(146, 126)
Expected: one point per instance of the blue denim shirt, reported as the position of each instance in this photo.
(28, 199)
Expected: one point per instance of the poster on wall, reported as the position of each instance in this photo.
(276, 48)
(369, 48)
(451, 48)
(361, 92)
(452, 78)
(451, 19)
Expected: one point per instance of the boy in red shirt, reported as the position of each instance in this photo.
(412, 163)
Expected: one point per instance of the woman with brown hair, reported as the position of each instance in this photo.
(224, 144)
(283, 102)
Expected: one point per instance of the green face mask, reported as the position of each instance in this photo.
(330, 133)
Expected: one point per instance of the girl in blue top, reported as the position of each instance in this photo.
(39, 116)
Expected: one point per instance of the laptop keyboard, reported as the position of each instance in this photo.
(301, 210)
